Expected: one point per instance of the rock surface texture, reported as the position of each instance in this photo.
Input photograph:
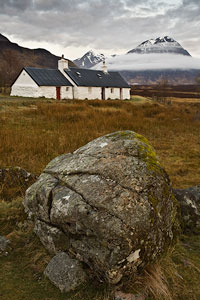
(189, 200)
(64, 272)
(109, 205)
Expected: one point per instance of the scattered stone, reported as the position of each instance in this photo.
(189, 200)
(111, 200)
(4, 245)
(14, 181)
(123, 296)
(64, 272)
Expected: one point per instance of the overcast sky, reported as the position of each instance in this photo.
(72, 27)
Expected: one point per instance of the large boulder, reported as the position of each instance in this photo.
(109, 204)
(189, 201)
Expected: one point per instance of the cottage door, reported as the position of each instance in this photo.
(58, 92)
(121, 94)
(103, 93)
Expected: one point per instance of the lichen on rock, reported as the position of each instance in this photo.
(111, 201)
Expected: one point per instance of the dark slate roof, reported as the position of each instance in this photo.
(47, 77)
(96, 78)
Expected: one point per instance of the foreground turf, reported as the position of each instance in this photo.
(32, 132)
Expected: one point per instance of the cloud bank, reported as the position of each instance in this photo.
(140, 62)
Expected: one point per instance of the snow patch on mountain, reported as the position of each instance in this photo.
(164, 44)
(89, 59)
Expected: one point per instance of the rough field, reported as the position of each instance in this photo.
(32, 132)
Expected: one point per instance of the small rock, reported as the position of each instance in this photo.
(4, 244)
(64, 272)
(189, 200)
(123, 296)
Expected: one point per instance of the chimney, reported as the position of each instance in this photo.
(104, 67)
(63, 64)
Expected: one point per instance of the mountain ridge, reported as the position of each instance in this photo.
(89, 59)
(13, 58)
(160, 45)
(3, 38)
(164, 44)
(155, 59)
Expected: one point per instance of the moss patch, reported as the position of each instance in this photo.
(147, 151)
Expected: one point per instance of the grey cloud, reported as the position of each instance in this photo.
(15, 4)
(151, 62)
(99, 24)
(191, 2)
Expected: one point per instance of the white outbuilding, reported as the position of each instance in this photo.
(70, 83)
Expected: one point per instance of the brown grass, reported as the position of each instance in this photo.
(32, 134)
(173, 277)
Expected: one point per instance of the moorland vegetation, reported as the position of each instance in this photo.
(34, 131)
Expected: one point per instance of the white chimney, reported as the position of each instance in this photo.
(104, 67)
(63, 64)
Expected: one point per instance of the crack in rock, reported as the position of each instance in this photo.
(91, 205)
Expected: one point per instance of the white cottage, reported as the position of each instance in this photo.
(70, 83)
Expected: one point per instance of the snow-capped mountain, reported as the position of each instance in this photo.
(154, 59)
(89, 59)
(160, 45)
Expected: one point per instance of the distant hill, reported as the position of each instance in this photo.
(155, 60)
(89, 59)
(172, 76)
(3, 38)
(14, 57)
(164, 44)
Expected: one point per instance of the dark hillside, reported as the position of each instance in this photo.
(3, 38)
(165, 90)
(14, 57)
(173, 76)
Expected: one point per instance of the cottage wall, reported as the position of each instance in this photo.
(112, 93)
(25, 86)
(66, 92)
(48, 91)
(89, 93)
(126, 93)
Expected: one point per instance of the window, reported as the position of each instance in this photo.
(67, 89)
(79, 74)
(112, 90)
